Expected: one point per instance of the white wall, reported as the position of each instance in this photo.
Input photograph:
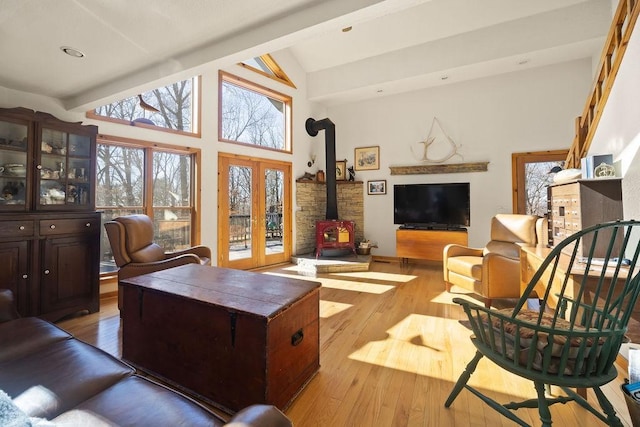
(490, 119)
(208, 143)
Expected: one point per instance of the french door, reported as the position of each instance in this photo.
(254, 211)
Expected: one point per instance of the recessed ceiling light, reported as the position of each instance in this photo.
(72, 51)
(347, 29)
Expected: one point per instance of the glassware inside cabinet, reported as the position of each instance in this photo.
(65, 168)
(79, 146)
(13, 163)
(53, 167)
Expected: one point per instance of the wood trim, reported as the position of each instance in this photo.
(611, 57)
(278, 73)
(444, 168)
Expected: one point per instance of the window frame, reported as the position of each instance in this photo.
(196, 116)
(149, 148)
(518, 161)
(287, 101)
(278, 73)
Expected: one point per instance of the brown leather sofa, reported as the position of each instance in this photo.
(494, 271)
(51, 375)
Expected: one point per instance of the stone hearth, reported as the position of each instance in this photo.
(308, 263)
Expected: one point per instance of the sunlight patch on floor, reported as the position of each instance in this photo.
(447, 298)
(330, 308)
(347, 285)
(407, 348)
(375, 275)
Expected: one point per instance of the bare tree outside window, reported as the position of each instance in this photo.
(170, 107)
(121, 189)
(537, 179)
(252, 118)
(530, 178)
(253, 114)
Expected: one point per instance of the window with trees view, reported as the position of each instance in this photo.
(156, 181)
(174, 107)
(253, 114)
(532, 174)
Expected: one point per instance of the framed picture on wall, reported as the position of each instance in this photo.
(341, 170)
(367, 158)
(377, 187)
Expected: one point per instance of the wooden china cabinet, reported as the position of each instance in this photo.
(49, 229)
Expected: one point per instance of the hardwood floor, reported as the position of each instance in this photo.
(391, 348)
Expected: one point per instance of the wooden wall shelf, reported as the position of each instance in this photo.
(446, 168)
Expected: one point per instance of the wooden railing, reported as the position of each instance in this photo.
(610, 60)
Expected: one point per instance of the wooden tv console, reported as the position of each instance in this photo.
(425, 243)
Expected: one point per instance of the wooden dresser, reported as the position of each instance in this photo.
(582, 203)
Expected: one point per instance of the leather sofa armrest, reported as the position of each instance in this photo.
(137, 269)
(200, 251)
(260, 415)
(8, 310)
(452, 250)
(500, 276)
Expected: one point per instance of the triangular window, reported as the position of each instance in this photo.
(267, 66)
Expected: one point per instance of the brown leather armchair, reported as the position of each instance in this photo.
(131, 239)
(494, 271)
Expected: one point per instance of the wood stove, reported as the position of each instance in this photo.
(331, 233)
(335, 234)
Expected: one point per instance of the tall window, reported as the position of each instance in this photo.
(532, 174)
(157, 181)
(252, 114)
(174, 108)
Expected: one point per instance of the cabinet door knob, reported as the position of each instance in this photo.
(39, 167)
(24, 276)
(21, 227)
(88, 224)
(52, 226)
(46, 272)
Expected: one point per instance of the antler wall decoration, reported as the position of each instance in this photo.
(431, 139)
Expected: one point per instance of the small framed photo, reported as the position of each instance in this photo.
(377, 187)
(367, 158)
(341, 170)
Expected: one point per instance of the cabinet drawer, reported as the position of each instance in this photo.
(52, 226)
(11, 229)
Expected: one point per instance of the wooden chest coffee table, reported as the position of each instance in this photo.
(232, 337)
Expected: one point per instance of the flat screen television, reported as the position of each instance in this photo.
(432, 205)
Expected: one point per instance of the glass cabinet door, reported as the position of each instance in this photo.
(13, 165)
(65, 168)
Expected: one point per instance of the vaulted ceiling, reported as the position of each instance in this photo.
(393, 45)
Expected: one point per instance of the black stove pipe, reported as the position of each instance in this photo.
(313, 126)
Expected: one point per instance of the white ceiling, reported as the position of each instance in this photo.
(394, 46)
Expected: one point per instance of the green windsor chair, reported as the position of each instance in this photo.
(573, 339)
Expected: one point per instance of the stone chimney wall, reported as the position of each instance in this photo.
(311, 197)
